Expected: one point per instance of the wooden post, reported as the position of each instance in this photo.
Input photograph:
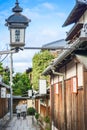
(63, 105)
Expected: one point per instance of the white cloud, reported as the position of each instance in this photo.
(21, 67)
(48, 6)
(22, 60)
(61, 14)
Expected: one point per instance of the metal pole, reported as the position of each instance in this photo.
(11, 98)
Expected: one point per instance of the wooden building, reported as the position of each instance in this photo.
(4, 103)
(42, 106)
(42, 103)
(68, 75)
(19, 100)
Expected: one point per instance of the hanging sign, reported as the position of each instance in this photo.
(3, 92)
(8, 95)
(30, 93)
(42, 86)
(74, 85)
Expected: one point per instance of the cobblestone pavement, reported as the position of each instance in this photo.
(22, 124)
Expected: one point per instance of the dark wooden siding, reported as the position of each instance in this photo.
(68, 104)
(80, 110)
(75, 106)
(85, 99)
(74, 112)
(42, 110)
(60, 107)
(52, 103)
(55, 107)
(36, 105)
(3, 107)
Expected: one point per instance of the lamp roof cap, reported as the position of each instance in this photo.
(17, 8)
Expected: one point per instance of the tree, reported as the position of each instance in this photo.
(5, 73)
(40, 61)
(21, 84)
(6, 77)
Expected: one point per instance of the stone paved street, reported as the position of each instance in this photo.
(22, 124)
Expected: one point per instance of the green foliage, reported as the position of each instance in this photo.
(31, 111)
(21, 84)
(48, 129)
(6, 77)
(1, 68)
(5, 74)
(40, 61)
(37, 115)
(47, 119)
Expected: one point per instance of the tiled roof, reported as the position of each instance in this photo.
(4, 85)
(55, 44)
(76, 13)
(64, 56)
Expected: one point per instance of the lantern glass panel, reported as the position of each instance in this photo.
(17, 36)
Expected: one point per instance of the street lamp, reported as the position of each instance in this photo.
(17, 24)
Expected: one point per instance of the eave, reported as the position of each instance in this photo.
(74, 32)
(43, 96)
(80, 43)
(4, 85)
(76, 13)
(20, 97)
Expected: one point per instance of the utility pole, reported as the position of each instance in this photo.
(11, 98)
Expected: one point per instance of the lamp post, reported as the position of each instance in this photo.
(17, 24)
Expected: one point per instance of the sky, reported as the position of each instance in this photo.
(47, 18)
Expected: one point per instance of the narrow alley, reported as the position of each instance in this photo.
(21, 124)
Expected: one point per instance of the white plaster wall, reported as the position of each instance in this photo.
(71, 70)
(29, 103)
(62, 71)
(83, 19)
(56, 79)
(80, 74)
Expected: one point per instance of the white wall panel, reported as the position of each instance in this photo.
(56, 79)
(83, 19)
(80, 75)
(71, 70)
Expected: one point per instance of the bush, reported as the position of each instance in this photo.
(31, 111)
(37, 115)
(47, 119)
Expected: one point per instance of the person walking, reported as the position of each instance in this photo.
(24, 110)
(18, 111)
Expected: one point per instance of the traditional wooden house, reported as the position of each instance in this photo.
(42, 103)
(68, 75)
(20, 99)
(42, 106)
(4, 103)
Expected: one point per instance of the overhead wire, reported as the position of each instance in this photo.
(4, 58)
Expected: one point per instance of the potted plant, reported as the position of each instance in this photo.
(37, 116)
(47, 121)
(31, 111)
